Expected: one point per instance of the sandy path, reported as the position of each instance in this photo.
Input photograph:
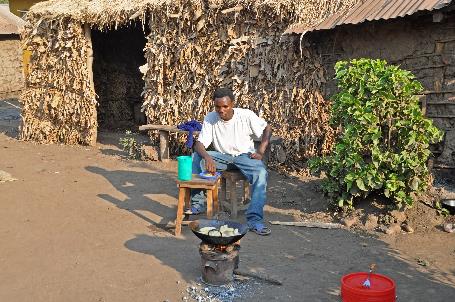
(81, 225)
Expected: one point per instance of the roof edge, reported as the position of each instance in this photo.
(370, 10)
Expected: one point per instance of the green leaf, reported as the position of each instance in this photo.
(340, 203)
(354, 191)
(408, 200)
(360, 184)
(415, 184)
(387, 193)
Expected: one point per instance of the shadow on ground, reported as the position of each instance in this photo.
(309, 261)
(149, 195)
(10, 117)
(287, 192)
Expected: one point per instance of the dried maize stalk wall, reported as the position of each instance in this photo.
(194, 46)
(193, 49)
(58, 102)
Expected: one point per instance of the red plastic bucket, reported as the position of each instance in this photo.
(382, 288)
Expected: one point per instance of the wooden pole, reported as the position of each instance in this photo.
(322, 225)
(257, 275)
(88, 38)
(164, 146)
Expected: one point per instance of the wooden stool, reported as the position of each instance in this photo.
(229, 181)
(211, 186)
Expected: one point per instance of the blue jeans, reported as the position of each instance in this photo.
(253, 169)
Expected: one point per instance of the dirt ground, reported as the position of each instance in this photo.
(85, 224)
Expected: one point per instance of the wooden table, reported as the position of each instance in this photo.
(185, 186)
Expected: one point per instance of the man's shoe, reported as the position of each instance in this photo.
(260, 229)
(194, 211)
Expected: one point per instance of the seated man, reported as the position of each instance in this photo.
(231, 132)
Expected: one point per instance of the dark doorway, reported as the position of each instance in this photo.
(117, 55)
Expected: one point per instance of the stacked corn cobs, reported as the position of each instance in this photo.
(193, 49)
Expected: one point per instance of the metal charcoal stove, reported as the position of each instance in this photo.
(218, 262)
(219, 255)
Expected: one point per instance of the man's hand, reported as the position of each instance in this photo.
(210, 164)
(256, 155)
(266, 134)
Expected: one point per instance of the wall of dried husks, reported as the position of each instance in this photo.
(59, 102)
(194, 46)
(11, 72)
(192, 52)
(419, 45)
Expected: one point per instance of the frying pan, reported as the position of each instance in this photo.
(202, 223)
(449, 204)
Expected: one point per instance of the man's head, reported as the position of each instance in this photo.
(224, 103)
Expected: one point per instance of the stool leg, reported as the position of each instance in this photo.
(179, 218)
(246, 191)
(209, 203)
(233, 197)
(216, 205)
(223, 189)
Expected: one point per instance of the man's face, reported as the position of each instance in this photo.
(224, 108)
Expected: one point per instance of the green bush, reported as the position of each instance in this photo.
(384, 138)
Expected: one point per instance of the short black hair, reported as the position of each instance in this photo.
(223, 92)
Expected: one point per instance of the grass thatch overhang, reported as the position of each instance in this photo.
(107, 13)
(193, 47)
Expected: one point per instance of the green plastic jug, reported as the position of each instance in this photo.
(184, 167)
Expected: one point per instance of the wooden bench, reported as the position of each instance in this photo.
(164, 131)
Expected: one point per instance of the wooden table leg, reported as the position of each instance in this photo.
(188, 198)
(209, 203)
(179, 218)
(187, 205)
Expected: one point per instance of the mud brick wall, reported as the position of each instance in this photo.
(11, 72)
(417, 44)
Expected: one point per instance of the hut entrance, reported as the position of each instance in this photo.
(117, 55)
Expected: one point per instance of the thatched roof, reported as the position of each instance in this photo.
(92, 11)
(112, 12)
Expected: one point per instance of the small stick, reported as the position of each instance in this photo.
(259, 276)
(321, 225)
(232, 9)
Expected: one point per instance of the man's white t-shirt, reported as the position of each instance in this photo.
(235, 136)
